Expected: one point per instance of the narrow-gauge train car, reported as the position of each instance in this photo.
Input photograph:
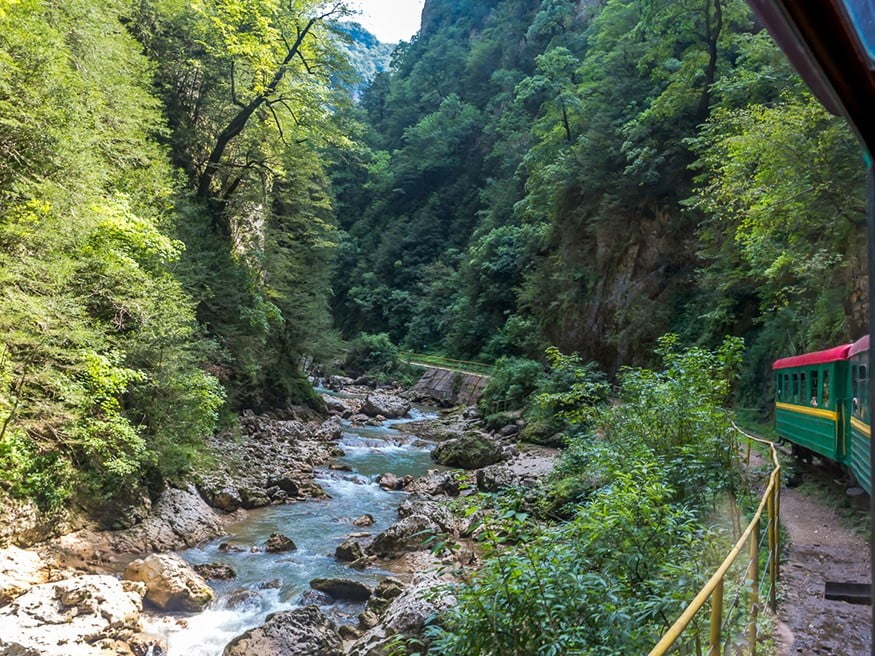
(859, 417)
(810, 395)
(822, 406)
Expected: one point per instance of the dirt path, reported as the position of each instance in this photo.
(821, 548)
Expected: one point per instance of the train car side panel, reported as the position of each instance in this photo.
(810, 397)
(859, 413)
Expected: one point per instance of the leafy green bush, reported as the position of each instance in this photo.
(511, 382)
(634, 484)
(371, 354)
(608, 582)
(566, 398)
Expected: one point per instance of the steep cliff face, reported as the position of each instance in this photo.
(610, 287)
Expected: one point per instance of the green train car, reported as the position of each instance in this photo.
(822, 406)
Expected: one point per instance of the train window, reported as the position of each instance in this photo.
(803, 389)
(814, 390)
(863, 389)
(795, 397)
(825, 399)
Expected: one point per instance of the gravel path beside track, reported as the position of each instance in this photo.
(821, 548)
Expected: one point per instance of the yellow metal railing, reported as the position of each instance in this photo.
(771, 506)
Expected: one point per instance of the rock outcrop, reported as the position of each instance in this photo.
(385, 405)
(271, 462)
(409, 534)
(470, 451)
(303, 632)
(80, 616)
(179, 519)
(171, 584)
(406, 615)
(450, 387)
(346, 589)
(20, 570)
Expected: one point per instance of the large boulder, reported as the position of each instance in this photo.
(407, 615)
(412, 533)
(387, 405)
(217, 571)
(19, 571)
(69, 617)
(496, 477)
(349, 551)
(433, 510)
(471, 451)
(171, 584)
(302, 632)
(279, 543)
(434, 483)
(345, 589)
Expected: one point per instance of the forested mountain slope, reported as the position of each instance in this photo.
(166, 228)
(592, 175)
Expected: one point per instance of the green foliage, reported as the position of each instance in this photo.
(608, 581)
(565, 399)
(511, 382)
(633, 488)
(372, 354)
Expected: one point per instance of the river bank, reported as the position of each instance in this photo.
(356, 486)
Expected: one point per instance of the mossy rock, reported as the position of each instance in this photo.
(470, 451)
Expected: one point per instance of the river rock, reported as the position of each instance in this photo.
(337, 383)
(495, 477)
(365, 520)
(390, 482)
(254, 497)
(19, 571)
(279, 543)
(302, 632)
(216, 571)
(270, 584)
(227, 499)
(171, 584)
(345, 589)
(409, 534)
(349, 551)
(407, 615)
(387, 405)
(387, 590)
(244, 600)
(471, 451)
(434, 483)
(428, 507)
(68, 617)
(148, 644)
(286, 483)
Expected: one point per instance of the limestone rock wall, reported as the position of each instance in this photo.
(451, 386)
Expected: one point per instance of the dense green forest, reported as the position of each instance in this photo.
(592, 175)
(194, 194)
(166, 226)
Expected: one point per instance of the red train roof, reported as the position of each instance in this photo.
(818, 357)
(859, 346)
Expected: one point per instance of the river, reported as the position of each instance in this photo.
(266, 582)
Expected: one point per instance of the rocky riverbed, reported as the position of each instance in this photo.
(306, 535)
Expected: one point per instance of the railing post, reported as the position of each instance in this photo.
(754, 586)
(716, 619)
(773, 550)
